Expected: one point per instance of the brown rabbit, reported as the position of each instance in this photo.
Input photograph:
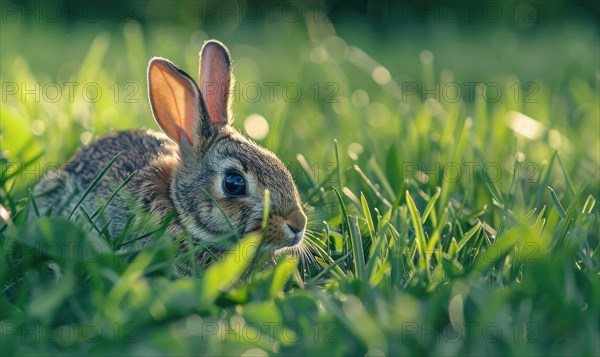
(200, 153)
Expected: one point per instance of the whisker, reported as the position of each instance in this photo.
(308, 254)
(311, 260)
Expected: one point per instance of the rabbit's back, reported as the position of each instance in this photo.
(138, 151)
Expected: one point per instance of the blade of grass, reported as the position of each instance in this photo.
(545, 181)
(381, 176)
(265, 219)
(566, 175)
(497, 197)
(89, 220)
(372, 186)
(33, 203)
(420, 235)
(468, 235)
(4, 177)
(101, 210)
(210, 197)
(345, 220)
(567, 222)
(376, 251)
(437, 234)
(338, 168)
(327, 258)
(357, 248)
(306, 169)
(329, 267)
(431, 203)
(93, 184)
(367, 213)
(589, 204)
(556, 202)
(447, 185)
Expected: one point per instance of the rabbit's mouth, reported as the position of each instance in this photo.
(296, 238)
(291, 239)
(279, 239)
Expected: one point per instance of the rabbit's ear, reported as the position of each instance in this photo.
(175, 100)
(215, 81)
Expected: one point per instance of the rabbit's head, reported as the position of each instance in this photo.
(221, 180)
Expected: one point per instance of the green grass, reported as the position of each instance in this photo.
(438, 228)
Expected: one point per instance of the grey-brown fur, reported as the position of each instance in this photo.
(147, 153)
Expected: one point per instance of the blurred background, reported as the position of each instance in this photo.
(376, 75)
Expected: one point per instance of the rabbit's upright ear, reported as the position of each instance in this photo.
(215, 81)
(175, 101)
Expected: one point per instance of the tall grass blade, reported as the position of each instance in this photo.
(420, 235)
(556, 202)
(93, 184)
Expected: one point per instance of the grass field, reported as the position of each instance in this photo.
(452, 173)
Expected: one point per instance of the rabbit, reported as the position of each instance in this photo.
(198, 153)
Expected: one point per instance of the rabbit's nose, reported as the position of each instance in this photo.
(296, 221)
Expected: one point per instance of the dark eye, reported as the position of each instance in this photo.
(234, 184)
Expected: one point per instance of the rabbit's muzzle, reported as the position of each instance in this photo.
(285, 231)
(296, 224)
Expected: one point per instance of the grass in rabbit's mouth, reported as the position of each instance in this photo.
(458, 223)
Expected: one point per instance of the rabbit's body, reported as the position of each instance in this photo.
(149, 154)
(212, 177)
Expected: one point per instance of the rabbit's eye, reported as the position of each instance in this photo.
(234, 184)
